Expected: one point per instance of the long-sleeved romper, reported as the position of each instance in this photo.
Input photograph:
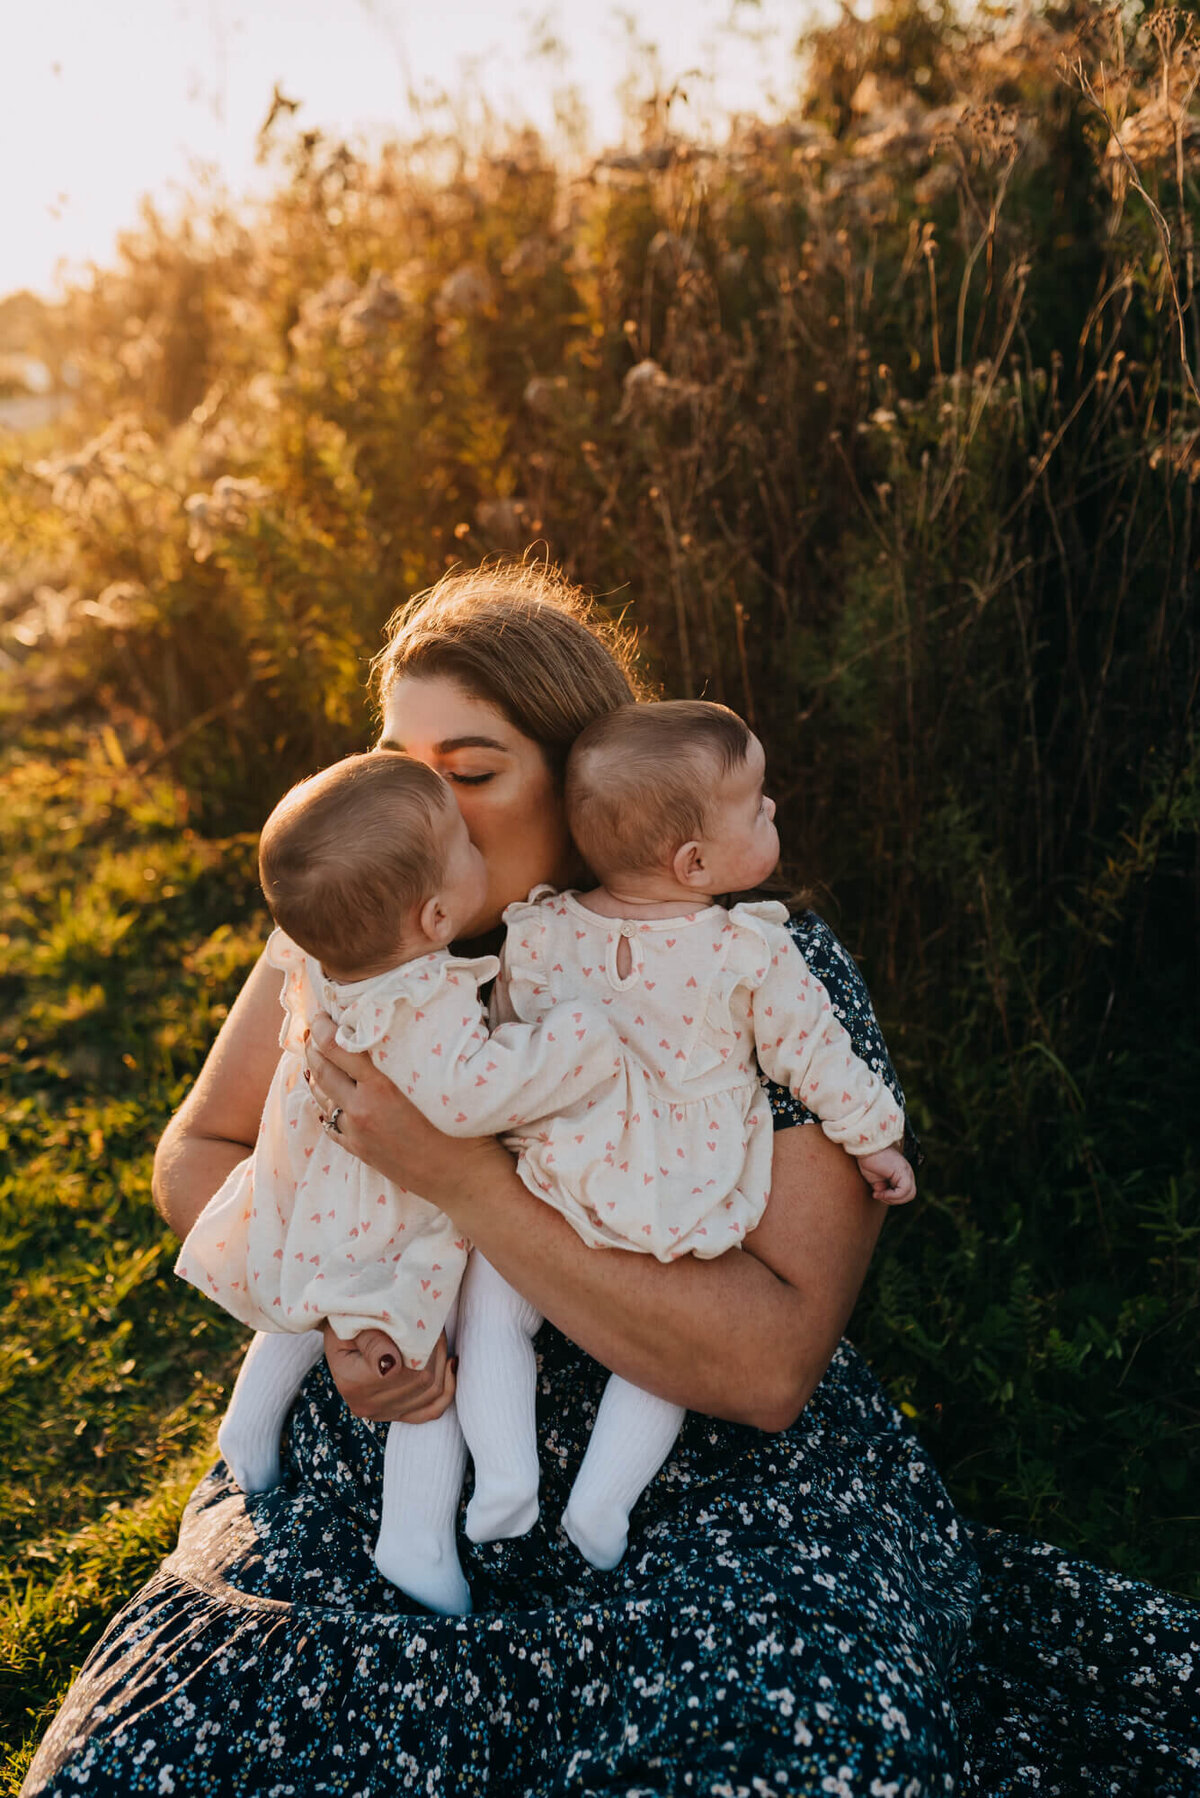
(676, 1158)
(302, 1230)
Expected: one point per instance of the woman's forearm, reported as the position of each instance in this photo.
(189, 1169)
(746, 1336)
(217, 1123)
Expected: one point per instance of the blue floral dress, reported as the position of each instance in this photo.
(797, 1613)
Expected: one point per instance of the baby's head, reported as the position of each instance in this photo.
(368, 864)
(672, 793)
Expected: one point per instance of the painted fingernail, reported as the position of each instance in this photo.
(308, 1073)
(386, 1363)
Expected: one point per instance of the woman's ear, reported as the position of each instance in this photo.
(687, 864)
(436, 924)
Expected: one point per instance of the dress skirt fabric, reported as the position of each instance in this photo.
(797, 1613)
(791, 1608)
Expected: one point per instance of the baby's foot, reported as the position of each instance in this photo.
(599, 1529)
(502, 1508)
(428, 1570)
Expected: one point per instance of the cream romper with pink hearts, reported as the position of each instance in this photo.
(675, 1156)
(302, 1230)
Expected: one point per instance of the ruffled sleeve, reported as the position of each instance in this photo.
(760, 926)
(800, 1043)
(523, 994)
(372, 1017)
(300, 988)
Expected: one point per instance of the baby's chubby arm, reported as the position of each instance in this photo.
(801, 1045)
(470, 1083)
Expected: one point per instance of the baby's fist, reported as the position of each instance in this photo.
(890, 1177)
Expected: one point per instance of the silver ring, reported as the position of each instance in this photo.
(331, 1122)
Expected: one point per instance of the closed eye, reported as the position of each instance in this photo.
(468, 780)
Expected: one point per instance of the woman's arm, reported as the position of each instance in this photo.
(217, 1123)
(745, 1337)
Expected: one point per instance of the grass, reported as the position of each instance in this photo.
(48, 1616)
(123, 938)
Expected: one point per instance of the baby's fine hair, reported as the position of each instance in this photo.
(639, 780)
(347, 855)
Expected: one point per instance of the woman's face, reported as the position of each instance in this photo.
(507, 795)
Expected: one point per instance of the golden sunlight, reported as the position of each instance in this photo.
(100, 105)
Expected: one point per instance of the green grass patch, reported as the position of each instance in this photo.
(123, 939)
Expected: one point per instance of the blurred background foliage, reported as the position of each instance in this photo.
(881, 425)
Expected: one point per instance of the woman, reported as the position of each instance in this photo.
(794, 1612)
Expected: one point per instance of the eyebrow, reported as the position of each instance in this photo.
(449, 745)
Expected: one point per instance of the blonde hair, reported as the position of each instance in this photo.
(639, 781)
(523, 637)
(348, 855)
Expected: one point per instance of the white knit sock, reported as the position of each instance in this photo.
(423, 1469)
(633, 1434)
(497, 1402)
(269, 1379)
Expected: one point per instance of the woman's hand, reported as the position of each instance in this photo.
(375, 1384)
(373, 1120)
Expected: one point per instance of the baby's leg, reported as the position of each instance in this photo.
(423, 1472)
(269, 1379)
(497, 1402)
(633, 1434)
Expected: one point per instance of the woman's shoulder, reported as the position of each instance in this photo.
(834, 967)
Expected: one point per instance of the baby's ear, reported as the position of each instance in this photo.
(687, 864)
(435, 921)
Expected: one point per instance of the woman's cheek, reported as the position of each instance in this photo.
(533, 847)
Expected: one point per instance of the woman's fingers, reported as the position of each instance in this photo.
(331, 1077)
(372, 1119)
(336, 1077)
(383, 1394)
(378, 1351)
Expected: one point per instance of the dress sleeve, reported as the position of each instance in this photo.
(831, 962)
(522, 991)
(298, 997)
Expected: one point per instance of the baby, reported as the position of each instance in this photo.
(370, 874)
(666, 804)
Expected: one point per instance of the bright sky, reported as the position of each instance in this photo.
(104, 100)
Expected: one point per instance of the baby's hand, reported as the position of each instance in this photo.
(891, 1178)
